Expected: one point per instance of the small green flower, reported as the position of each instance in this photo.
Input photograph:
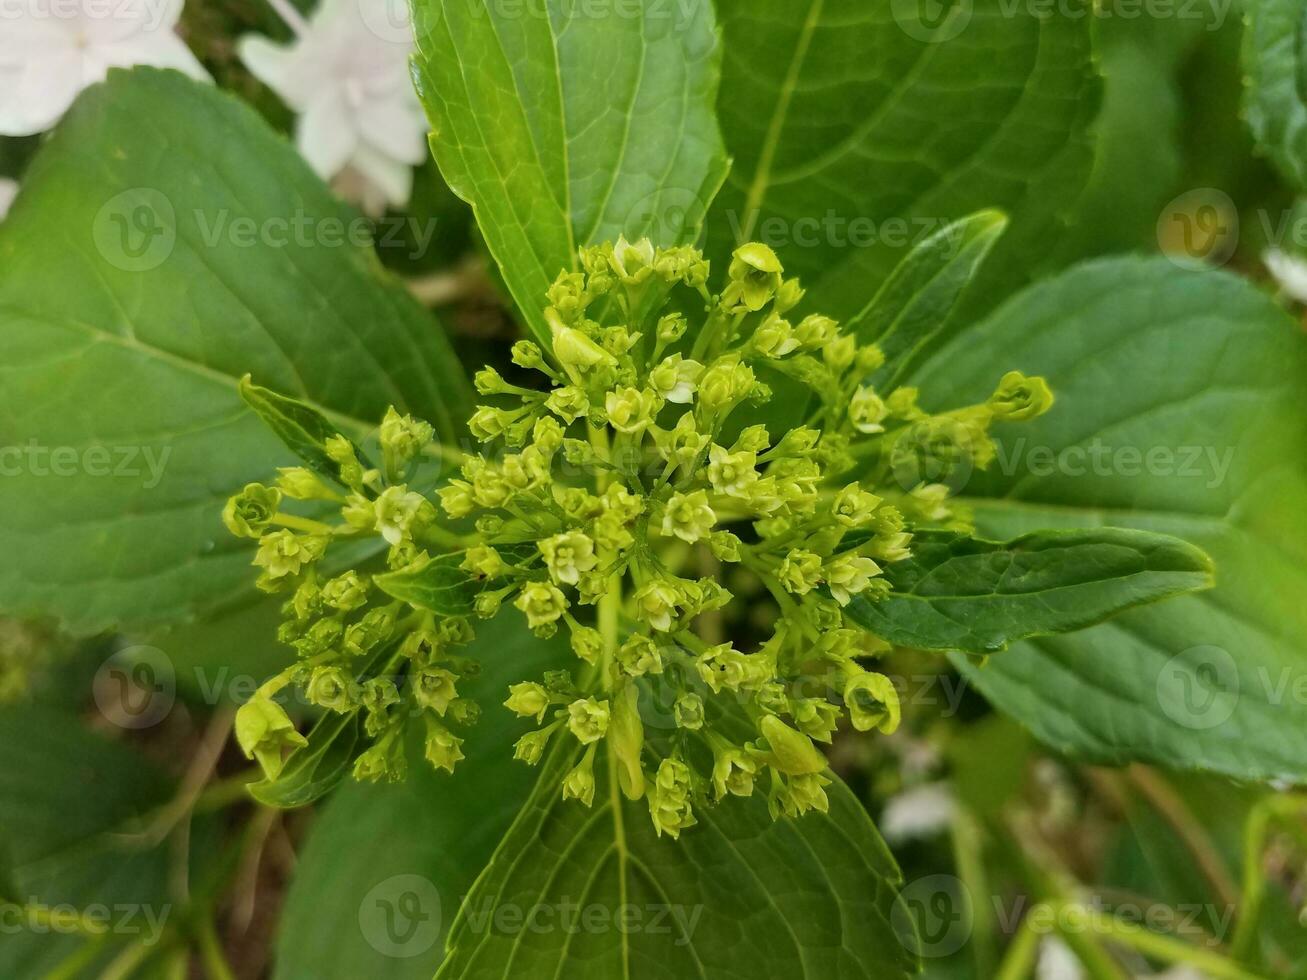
(867, 411)
(264, 731)
(733, 771)
(248, 513)
(873, 702)
(732, 474)
(530, 748)
(434, 688)
(346, 592)
(775, 337)
(1019, 398)
(800, 572)
(442, 749)
(676, 379)
(587, 643)
(853, 506)
(657, 601)
(755, 275)
(569, 403)
(456, 498)
(638, 656)
(816, 331)
(632, 262)
(587, 719)
(848, 575)
(579, 783)
(568, 555)
(669, 799)
(375, 628)
(483, 561)
(688, 712)
(333, 689)
(542, 602)
(631, 410)
(403, 438)
(688, 516)
(528, 700)
(284, 553)
(400, 512)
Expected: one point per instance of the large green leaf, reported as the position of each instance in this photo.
(425, 839)
(960, 593)
(66, 799)
(1275, 79)
(857, 129)
(593, 893)
(1179, 411)
(565, 125)
(166, 243)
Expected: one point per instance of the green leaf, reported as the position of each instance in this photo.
(1275, 83)
(1179, 411)
(913, 304)
(301, 427)
(314, 770)
(857, 130)
(69, 804)
(379, 846)
(147, 269)
(974, 596)
(736, 895)
(440, 585)
(564, 128)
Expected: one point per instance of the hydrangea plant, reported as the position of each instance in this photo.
(623, 464)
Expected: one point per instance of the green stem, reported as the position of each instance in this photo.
(297, 523)
(1254, 881)
(215, 964)
(1019, 960)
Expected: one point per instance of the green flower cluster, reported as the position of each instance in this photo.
(631, 464)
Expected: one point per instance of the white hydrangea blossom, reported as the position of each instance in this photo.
(50, 52)
(360, 123)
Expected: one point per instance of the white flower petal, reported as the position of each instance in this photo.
(395, 128)
(8, 191)
(1057, 961)
(325, 134)
(392, 179)
(37, 95)
(922, 811)
(1289, 271)
(270, 63)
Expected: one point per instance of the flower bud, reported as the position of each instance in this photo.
(579, 784)
(528, 699)
(301, 483)
(443, 750)
(626, 736)
(791, 752)
(247, 513)
(688, 712)
(1019, 398)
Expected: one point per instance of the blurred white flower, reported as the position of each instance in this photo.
(919, 812)
(8, 190)
(360, 122)
(1057, 961)
(52, 49)
(1289, 271)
